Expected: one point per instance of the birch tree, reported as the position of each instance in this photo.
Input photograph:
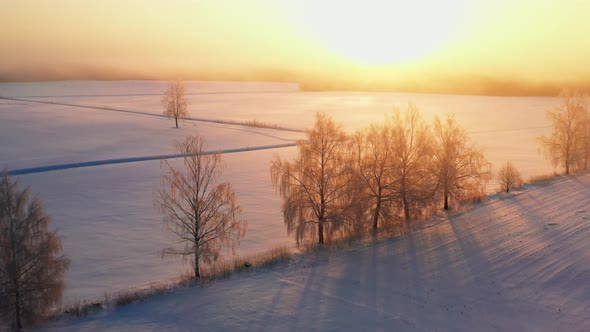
(31, 266)
(566, 145)
(461, 168)
(174, 101)
(414, 183)
(372, 151)
(585, 139)
(314, 185)
(202, 214)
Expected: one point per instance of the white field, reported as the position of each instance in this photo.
(111, 231)
(517, 262)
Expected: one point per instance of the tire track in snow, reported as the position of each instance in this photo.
(111, 109)
(159, 94)
(92, 163)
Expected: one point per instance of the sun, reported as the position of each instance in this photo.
(381, 31)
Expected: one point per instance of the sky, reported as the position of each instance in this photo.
(451, 46)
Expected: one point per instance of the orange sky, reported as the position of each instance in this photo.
(363, 43)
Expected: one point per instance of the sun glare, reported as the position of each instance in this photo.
(381, 31)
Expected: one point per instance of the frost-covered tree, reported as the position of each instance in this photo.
(31, 266)
(414, 181)
(314, 185)
(509, 177)
(461, 168)
(175, 102)
(566, 145)
(372, 151)
(202, 214)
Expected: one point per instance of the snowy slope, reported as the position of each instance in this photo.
(518, 262)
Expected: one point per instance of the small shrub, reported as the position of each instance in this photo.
(474, 197)
(225, 268)
(262, 124)
(218, 270)
(81, 308)
(541, 178)
(509, 177)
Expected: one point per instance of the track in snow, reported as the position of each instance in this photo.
(111, 109)
(155, 94)
(59, 167)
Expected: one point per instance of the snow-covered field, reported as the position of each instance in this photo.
(112, 232)
(517, 262)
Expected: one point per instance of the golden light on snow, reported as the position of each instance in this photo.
(381, 31)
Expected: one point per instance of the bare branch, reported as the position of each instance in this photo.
(203, 215)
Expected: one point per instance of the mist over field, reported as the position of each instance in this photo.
(288, 165)
(429, 83)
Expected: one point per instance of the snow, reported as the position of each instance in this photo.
(505, 127)
(517, 262)
(105, 213)
(112, 234)
(78, 134)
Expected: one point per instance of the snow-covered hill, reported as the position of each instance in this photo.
(112, 233)
(517, 262)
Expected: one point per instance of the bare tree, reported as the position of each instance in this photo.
(565, 146)
(314, 185)
(509, 177)
(175, 102)
(204, 216)
(461, 168)
(584, 136)
(372, 151)
(415, 183)
(31, 267)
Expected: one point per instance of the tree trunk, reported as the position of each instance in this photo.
(176, 119)
(17, 312)
(197, 273)
(321, 230)
(407, 216)
(376, 216)
(446, 205)
(196, 263)
(406, 205)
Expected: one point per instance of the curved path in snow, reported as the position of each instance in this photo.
(59, 167)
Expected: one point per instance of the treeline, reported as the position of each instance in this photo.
(391, 173)
(397, 172)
